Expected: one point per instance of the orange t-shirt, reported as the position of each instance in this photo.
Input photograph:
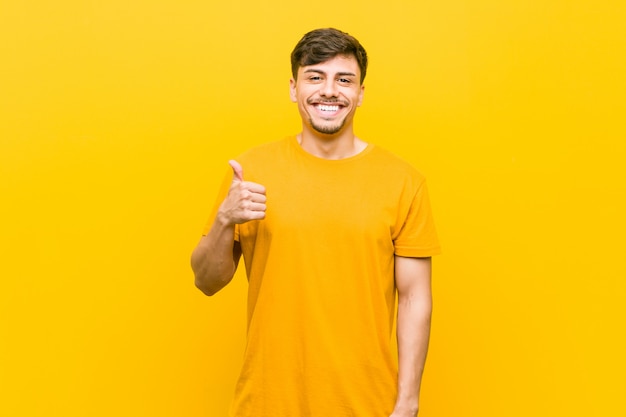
(320, 266)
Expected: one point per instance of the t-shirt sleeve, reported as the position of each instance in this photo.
(418, 236)
(221, 195)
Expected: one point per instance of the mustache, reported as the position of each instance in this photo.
(335, 101)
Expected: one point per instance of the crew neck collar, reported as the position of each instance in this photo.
(294, 142)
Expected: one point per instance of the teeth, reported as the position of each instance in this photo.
(323, 107)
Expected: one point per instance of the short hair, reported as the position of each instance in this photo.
(320, 45)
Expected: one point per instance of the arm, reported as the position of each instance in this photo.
(414, 312)
(214, 261)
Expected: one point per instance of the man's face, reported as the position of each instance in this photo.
(328, 94)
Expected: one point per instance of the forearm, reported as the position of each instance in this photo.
(414, 312)
(413, 329)
(214, 260)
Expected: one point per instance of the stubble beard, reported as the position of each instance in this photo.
(327, 130)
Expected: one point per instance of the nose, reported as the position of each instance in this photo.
(329, 88)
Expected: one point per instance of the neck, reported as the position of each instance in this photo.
(339, 146)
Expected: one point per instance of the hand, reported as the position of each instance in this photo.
(245, 200)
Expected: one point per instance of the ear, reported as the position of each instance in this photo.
(360, 100)
(292, 90)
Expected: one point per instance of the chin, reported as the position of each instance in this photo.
(328, 130)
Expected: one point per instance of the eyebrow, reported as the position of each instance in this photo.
(343, 74)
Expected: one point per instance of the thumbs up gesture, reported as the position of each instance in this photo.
(245, 200)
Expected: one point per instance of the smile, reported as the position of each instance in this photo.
(327, 108)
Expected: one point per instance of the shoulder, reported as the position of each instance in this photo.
(266, 160)
(266, 151)
(394, 166)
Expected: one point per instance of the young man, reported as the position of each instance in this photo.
(343, 227)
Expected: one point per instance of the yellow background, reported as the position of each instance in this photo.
(118, 117)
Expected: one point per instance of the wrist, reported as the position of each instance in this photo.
(406, 408)
(397, 412)
(223, 220)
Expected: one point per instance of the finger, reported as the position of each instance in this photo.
(258, 198)
(237, 170)
(256, 215)
(257, 207)
(254, 188)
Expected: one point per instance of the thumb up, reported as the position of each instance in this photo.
(237, 170)
(245, 200)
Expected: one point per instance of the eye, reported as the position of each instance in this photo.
(345, 80)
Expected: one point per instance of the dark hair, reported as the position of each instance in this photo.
(320, 45)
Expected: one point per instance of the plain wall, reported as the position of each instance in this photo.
(117, 121)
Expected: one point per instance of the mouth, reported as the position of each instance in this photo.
(325, 108)
(328, 109)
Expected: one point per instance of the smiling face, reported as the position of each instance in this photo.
(328, 94)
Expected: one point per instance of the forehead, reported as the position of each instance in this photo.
(344, 64)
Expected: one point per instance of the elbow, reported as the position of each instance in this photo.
(209, 286)
(206, 289)
(201, 278)
(210, 278)
(420, 308)
(426, 311)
